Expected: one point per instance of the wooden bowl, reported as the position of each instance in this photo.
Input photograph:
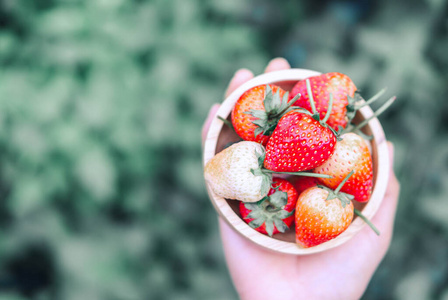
(218, 136)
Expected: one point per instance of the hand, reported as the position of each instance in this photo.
(339, 273)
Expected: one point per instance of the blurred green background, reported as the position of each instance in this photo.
(101, 108)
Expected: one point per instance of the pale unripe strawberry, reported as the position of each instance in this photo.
(235, 172)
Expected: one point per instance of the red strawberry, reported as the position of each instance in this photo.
(339, 85)
(301, 183)
(351, 153)
(274, 213)
(321, 216)
(298, 143)
(257, 112)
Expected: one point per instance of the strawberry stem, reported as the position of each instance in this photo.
(359, 214)
(376, 114)
(290, 103)
(330, 106)
(336, 191)
(301, 109)
(310, 96)
(308, 174)
(372, 99)
(227, 122)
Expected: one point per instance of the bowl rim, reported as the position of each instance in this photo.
(234, 220)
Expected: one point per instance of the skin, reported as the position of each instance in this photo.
(340, 273)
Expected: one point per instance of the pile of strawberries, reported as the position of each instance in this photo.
(308, 135)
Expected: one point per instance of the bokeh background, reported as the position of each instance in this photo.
(101, 108)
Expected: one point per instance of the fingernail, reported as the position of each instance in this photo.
(242, 73)
(280, 60)
(277, 64)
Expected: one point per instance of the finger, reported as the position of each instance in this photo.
(277, 64)
(208, 121)
(240, 77)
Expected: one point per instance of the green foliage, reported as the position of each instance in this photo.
(101, 108)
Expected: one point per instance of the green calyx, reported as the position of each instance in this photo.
(343, 197)
(352, 106)
(337, 194)
(266, 177)
(274, 108)
(270, 211)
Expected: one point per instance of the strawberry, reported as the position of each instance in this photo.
(301, 183)
(257, 111)
(274, 213)
(298, 143)
(351, 153)
(339, 85)
(321, 216)
(235, 172)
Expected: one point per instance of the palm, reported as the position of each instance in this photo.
(339, 273)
